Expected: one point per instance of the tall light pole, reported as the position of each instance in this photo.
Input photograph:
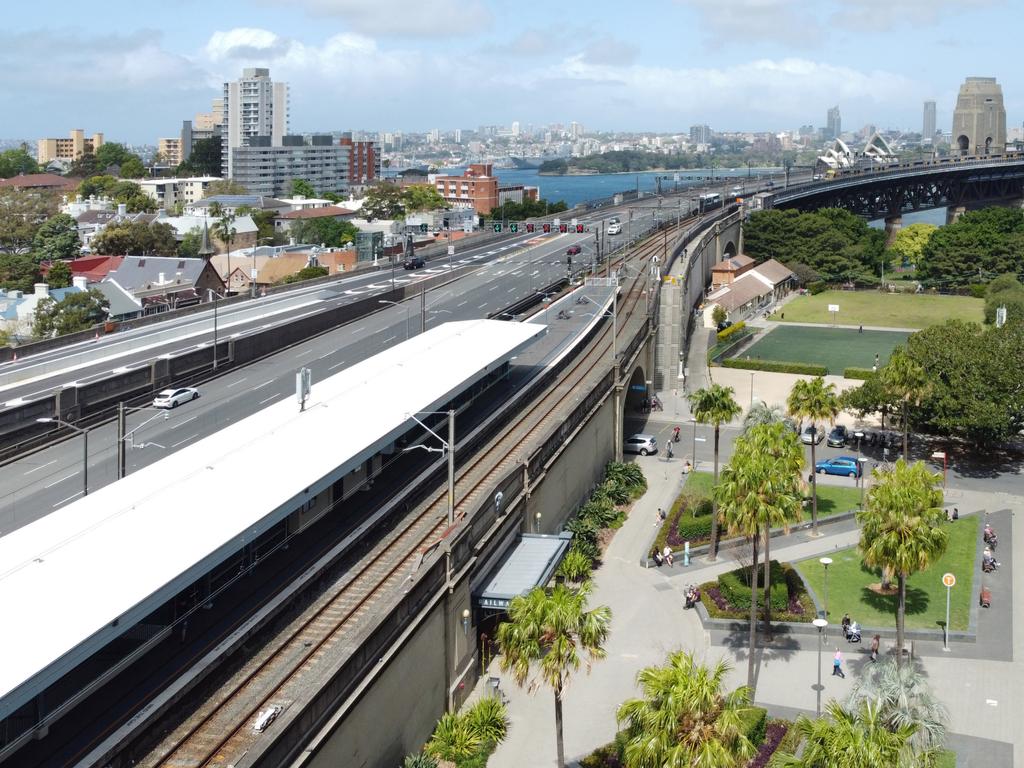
(85, 447)
(820, 624)
(825, 561)
(213, 297)
(447, 446)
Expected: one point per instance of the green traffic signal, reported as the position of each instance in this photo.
(513, 228)
(497, 227)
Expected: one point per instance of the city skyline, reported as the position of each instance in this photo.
(744, 65)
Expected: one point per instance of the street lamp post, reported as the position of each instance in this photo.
(862, 462)
(825, 561)
(85, 447)
(694, 452)
(213, 297)
(820, 624)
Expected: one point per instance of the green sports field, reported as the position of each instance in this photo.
(888, 310)
(837, 348)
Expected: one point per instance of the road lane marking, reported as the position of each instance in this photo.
(182, 442)
(461, 303)
(390, 338)
(234, 383)
(482, 305)
(69, 498)
(183, 423)
(41, 466)
(493, 288)
(360, 328)
(58, 482)
(261, 386)
(325, 354)
(336, 365)
(266, 399)
(303, 354)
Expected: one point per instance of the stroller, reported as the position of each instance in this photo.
(853, 633)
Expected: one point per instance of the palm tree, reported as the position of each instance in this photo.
(224, 229)
(852, 738)
(903, 698)
(762, 413)
(758, 488)
(552, 628)
(904, 377)
(813, 399)
(902, 527)
(714, 405)
(684, 718)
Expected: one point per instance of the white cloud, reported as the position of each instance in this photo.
(405, 18)
(246, 43)
(735, 21)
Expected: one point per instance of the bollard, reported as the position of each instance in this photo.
(686, 553)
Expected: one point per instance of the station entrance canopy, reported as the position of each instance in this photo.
(530, 564)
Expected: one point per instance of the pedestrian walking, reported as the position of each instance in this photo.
(782, 315)
(876, 360)
(875, 641)
(668, 451)
(860, 329)
(837, 665)
(668, 555)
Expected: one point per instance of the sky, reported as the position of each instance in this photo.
(134, 70)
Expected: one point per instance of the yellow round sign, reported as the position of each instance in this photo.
(948, 579)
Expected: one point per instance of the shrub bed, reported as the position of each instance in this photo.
(735, 588)
(774, 733)
(775, 366)
(797, 605)
(857, 373)
(734, 328)
(722, 348)
(605, 510)
(689, 519)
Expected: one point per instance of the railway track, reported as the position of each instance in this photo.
(221, 730)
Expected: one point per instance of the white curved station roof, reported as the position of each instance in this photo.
(118, 553)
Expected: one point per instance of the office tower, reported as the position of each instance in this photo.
(928, 129)
(833, 124)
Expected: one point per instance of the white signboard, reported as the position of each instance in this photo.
(833, 307)
(451, 250)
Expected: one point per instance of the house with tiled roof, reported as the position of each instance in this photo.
(283, 223)
(43, 182)
(753, 290)
(161, 283)
(95, 268)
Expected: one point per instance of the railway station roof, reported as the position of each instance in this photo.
(531, 563)
(79, 577)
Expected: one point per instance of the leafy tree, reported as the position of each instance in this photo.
(306, 273)
(205, 159)
(18, 272)
(136, 238)
(22, 212)
(576, 565)
(112, 153)
(334, 197)
(852, 738)
(383, 201)
(904, 377)
(714, 405)
(57, 238)
(814, 400)
(225, 187)
(903, 698)
(528, 209)
(1005, 291)
(870, 397)
(553, 629)
(16, 161)
(120, 191)
(325, 231)
(902, 527)
(75, 312)
(85, 166)
(59, 275)
(97, 185)
(762, 413)
(911, 240)
(684, 719)
(719, 315)
(132, 168)
(453, 739)
(985, 242)
(303, 188)
(421, 197)
(191, 243)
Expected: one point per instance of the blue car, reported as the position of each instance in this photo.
(846, 466)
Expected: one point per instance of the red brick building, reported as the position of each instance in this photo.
(476, 188)
(363, 160)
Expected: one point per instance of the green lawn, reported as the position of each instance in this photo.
(926, 597)
(836, 348)
(888, 310)
(832, 499)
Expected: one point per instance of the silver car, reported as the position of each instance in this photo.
(642, 444)
(811, 434)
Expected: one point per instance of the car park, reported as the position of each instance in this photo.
(572, 250)
(414, 262)
(810, 434)
(838, 436)
(642, 444)
(845, 466)
(172, 398)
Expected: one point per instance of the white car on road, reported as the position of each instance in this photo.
(614, 228)
(172, 398)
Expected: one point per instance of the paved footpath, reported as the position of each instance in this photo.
(648, 621)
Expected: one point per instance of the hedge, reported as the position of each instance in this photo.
(755, 722)
(776, 366)
(857, 373)
(818, 286)
(734, 587)
(727, 332)
(723, 348)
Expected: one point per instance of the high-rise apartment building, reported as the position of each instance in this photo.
(254, 106)
(169, 150)
(700, 134)
(833, 123)
(515, 127)
(979, 120)
(928, 127)
(69, 149)
(364, 159)
(267, 169)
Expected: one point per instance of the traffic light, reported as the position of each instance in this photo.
(423, 229)
(563, 228)
(547, 227)
(497, 226)
(444, 222)
(531, 227)
(579, 229)
(513, 228)
(568, 260)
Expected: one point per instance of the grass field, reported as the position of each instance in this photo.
(887, 310)
(836, 348)
(832, 499)
(926, 597)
